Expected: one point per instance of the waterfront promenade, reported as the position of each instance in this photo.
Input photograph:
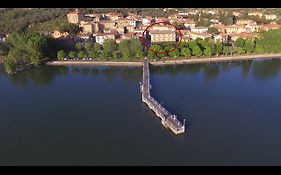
(167, 119)
(166, 62)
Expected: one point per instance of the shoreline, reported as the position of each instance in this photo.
(166, 62)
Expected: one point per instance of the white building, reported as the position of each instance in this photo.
(101, 37)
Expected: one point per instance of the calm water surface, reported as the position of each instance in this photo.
(94, 115)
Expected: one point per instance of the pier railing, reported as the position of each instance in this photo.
(168, 120)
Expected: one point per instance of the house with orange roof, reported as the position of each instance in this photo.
(267, 27)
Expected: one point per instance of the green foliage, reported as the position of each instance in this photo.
(192, 44)
(239, 42)
(175, 53)
(213, 30)
(81, 54)
(105, 55)
(196, 51)
(139, 54)
(97, 47)
(226, 50)
(218, 48)
(70, 28)
(4, 49)
(185, 52)
(249, 45)
(78, 46)
(205, 23)
(92, 54)
(208, 51)
(110, 46)
(270, 41)
(124, 48)
(35, 19)
(26, 49)
(117, 55)
(61, 55)
(136, 46)
(240, 51)
(259, 49)
(88, 46)
(72, 54)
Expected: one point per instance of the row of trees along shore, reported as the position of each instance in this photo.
(33, 48)
(267, 42)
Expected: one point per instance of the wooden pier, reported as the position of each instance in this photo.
(167, 119)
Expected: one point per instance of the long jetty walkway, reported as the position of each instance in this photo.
(167, 119)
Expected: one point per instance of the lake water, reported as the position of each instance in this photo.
(94, 115)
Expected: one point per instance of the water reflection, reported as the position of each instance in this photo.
(260, 69)
(39, 77)
(246, 66)
(131, 74)
(211, 71)
(266, 69)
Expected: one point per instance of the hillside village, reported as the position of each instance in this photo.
(100, 27)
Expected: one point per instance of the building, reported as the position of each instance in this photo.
(231, 29)
(114, 16)
(162, 36)
(255, 14)
(105, 24)
(270, 17)
(267, 27)
(245, 21)
(199, 29)
(101, 37)
(235, 13)
(123, 22)
(160, 27)
(58, 34)
(252, 28)
(189, 23)
(74, 17)
(199, 35)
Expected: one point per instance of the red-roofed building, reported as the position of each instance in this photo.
(267, 27)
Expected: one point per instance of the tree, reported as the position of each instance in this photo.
(259, 49)
(239, 42)
(79, 46)
(124, 48)
(175, 53)
(213, 30)
(110, 46)
(139, 54)
(196, 51)
(72, 29)
(208, 51)
(192, 44)
(88, 46)
(92, 54)
(4, 49)
(205, 23)
(185, 52)
(26, 49)
(240, 51)
(105, 55)
(61, 55)
(218, 49)
(249, 45)
(136, 46)
(10, 65)
(72, 54)
(81, 54)
(226, 50)
(97, 47)
(117, 55)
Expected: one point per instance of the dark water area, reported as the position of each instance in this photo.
(86, 115)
